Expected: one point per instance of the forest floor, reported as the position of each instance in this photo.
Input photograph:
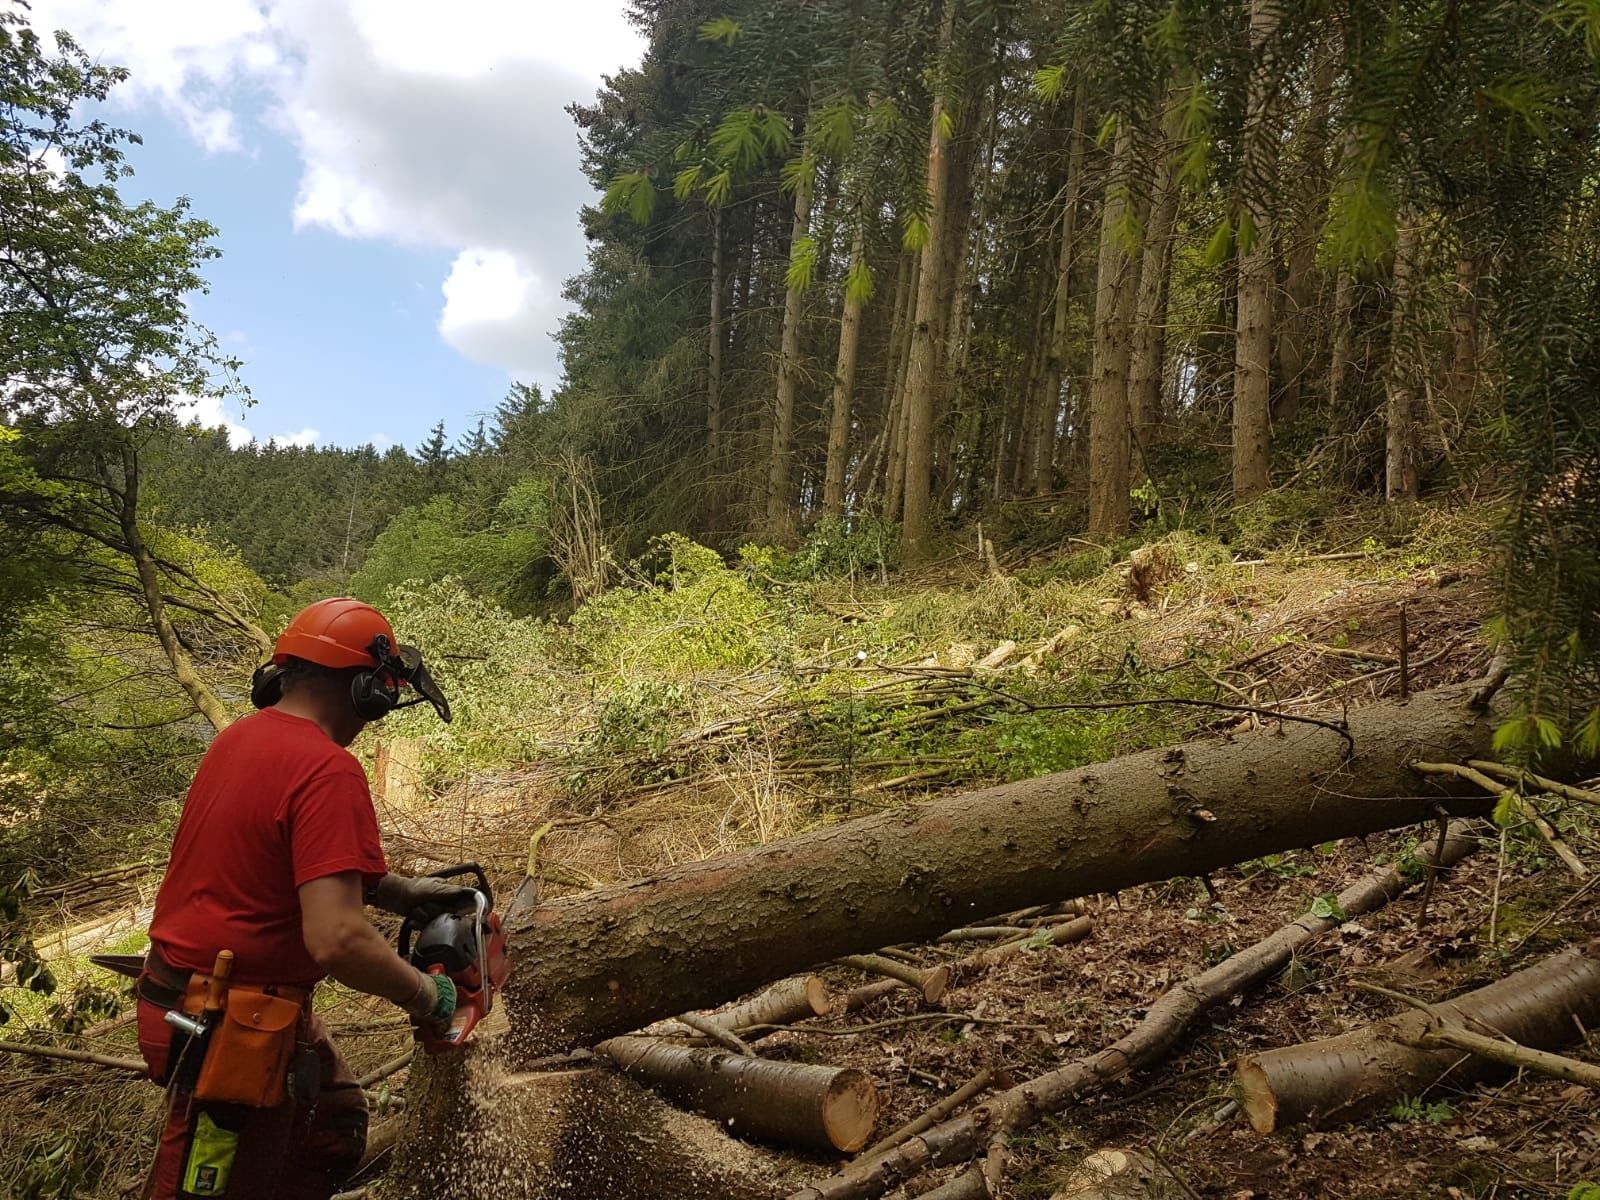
(881, 694)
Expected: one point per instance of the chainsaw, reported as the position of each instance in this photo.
(467, 948)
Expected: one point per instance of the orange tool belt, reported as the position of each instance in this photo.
(249, 1040)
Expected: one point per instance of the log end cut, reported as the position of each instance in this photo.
(850, 1110)
(1256, 1097)
(817, 997)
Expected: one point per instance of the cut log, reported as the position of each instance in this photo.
(1163, 1024)
(784, 1003)
(692, 937)
(930, 983)
(798, 1104)
(1340, 1078)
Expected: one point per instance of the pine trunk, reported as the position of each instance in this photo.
(1300, 286)
(714, 350)
(1252, 356)
(922, 384)
(892, 489)
(1403, 430)
(1145, 363)
(844, 384)
(615, 959)
(780, 502)
(1110, 445)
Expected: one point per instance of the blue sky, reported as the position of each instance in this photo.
(395, 186)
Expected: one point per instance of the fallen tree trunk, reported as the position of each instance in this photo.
(798, 1104)
(1163, 1024)
(619, 958)
(1339, 1078)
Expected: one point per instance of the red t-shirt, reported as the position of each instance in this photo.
(275, 804)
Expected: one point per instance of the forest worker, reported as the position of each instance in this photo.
(277, 852)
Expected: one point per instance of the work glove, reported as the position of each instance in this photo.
(435, 1003)
(422, 897)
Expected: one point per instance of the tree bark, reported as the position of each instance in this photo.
(922, 381)
(1150, 307)
(1340, 1078)
(618, 958)
(714, 350)
(1310, 193)
(1403, 431)
(1048, 413)
(780, 506)
(825, 1108)
(1110, 441)
(1341, 354)
(895, 429)
(1252, 356)
(844, 383)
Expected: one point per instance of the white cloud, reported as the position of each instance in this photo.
(496, 312)
(186, 55)
(434, 127)
(212, 413)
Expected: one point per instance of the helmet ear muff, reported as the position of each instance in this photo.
(373, 697)
(266, 685)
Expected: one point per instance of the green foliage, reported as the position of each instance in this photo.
(497, 670)
(504, 557)
(1418, 1110)
(1586, 1191)
(688, 613)
(746, 136)
(859, 284)
(633, 193)
(1283, 519)
(721, 29)
(1326, 907)
(802, 264)
(641, 715)
(1220, 248)
(1279, 866)
(837, 548)
(1049, 83)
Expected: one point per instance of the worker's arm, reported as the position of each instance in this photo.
(334, 924)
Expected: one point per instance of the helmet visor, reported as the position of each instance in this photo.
(415, 672)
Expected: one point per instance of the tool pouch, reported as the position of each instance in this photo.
(248, 1051)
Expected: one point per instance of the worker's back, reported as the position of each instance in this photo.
(275, 803)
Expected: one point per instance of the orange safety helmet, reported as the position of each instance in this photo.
(342, 633)
(334, 633)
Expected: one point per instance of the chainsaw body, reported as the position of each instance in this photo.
(467, 948)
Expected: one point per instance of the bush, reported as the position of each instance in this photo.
(690, 613)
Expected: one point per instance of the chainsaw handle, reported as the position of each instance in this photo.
(407, 929)
(467, 868)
